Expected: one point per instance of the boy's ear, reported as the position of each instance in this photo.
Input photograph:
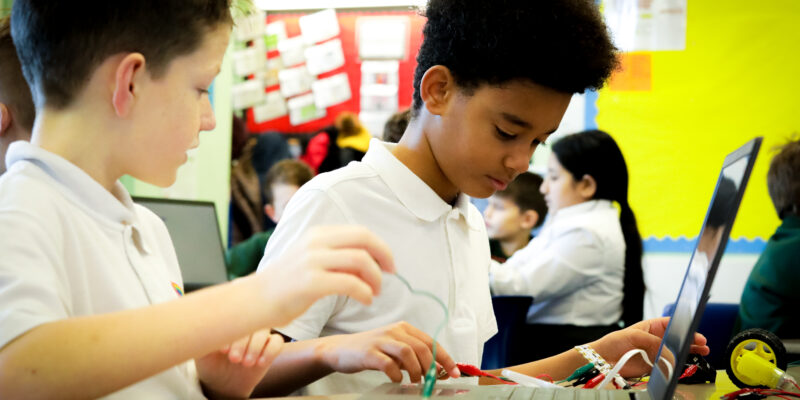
(5, 119)
(587, 187)
(128, 76)
(529, 219)
(270, 211)
(437, 88)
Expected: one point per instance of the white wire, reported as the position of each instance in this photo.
(624, 359)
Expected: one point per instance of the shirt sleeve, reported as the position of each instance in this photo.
(31, 278)
(572, 260)
(307, 208)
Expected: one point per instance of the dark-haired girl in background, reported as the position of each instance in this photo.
(584, 269)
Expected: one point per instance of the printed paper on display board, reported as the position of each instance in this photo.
(294, 81)
(250, 27)
(331, 91)
(319, 26)
(247, 94)
(292, 51)
(274, 106)
(382, 37)
(379, 98)
(249, 60)
(274, 34)
(324, 57)
(302, 109)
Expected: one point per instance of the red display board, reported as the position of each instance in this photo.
(352, 66)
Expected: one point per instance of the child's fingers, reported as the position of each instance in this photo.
(352, 261)
(442, 357)
(346, 285)
(255, 347)
(272, 349)
(237, 351)
(353, 236)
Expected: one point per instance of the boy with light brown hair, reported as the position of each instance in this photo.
(90, 289)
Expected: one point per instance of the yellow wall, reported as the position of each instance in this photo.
(739, 77)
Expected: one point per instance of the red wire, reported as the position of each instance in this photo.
(548, 377)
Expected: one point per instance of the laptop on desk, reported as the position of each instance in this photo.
(679, 335)
(194, 231)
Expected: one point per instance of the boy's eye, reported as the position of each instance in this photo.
(503, 134)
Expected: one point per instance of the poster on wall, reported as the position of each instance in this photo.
(653, 25)
(249, 60)
(274, 66)
(274, 33)
(319, 26)
(324, 57)
(382, 37)
(303, 109)
(331, 91)
(274, 106)
(379, 73)
(250, 27)
(247, 94)
(292, 51)
(294, 81)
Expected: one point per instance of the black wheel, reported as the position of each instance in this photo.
(765, 345)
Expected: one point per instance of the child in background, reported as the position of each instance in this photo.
(584, 269)
(512, 213)
(16, 107)
(493, 81)
(770, 296)
(282, 181)
(396, 125)
(90, 287)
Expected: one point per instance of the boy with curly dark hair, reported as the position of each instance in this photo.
(493, 81)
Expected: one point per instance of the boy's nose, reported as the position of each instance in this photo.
(207, 119)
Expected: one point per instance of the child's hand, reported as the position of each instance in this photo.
(235, 370)
(339, 260)
(645, 335)
(390, 349)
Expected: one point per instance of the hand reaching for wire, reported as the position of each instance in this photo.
(645, 335)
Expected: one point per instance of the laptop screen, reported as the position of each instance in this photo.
(702, 267)
(194, 230)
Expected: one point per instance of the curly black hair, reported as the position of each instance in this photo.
(560, 44)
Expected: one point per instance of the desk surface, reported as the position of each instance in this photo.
(683, 392)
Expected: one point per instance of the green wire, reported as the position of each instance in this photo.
(430, 376)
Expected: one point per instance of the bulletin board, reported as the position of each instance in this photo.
(352, 67)
(676, 114)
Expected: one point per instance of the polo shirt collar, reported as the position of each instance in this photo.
(77, 184)
(412, 191)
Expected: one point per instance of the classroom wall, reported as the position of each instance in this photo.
(736, 79)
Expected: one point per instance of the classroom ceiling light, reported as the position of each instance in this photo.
(280, 5)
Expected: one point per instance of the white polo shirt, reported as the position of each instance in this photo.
(437, 247)
(70, 248)
(573, 268)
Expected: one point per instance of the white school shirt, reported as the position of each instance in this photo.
(69, 248)
(573, 268)
(439, 248)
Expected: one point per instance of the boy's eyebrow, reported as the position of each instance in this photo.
(516, 120)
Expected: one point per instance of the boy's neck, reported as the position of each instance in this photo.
(511, 244)
(81, 139)
(414, 152)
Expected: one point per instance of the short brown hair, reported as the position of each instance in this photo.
(783, 178)
(288, 171)
(396, 126)
(524, 192)
(14, 92)
(61, 43)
